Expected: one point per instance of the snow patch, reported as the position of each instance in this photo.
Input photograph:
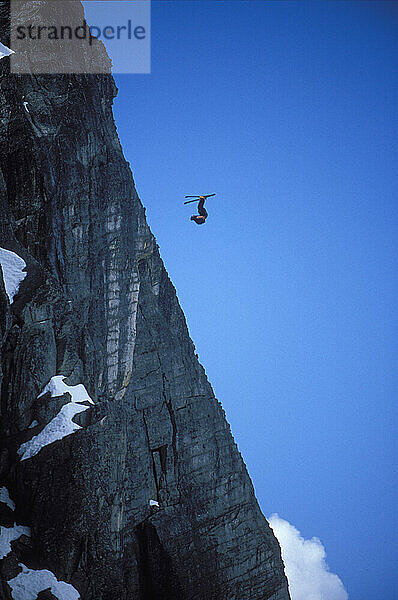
(62, 424)
(33, 424)
(154, 504)
(12, 266)
(25, 104)
(5, 497)
(4, 51)
(28, 584)
(57, 387)
(8, 535)
(58, 428)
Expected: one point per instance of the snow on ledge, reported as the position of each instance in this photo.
(4, 51)
(28, 584)
(5, 497)
(59, 427)
(62, 424)
(8, 535)
(57, 387)
(12, 266)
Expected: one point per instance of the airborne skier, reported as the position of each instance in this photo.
(202, 216)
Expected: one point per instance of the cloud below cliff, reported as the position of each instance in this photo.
(305, 565)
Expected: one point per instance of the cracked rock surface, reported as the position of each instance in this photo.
(97, 306)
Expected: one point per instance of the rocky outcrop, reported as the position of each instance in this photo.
(149, 498)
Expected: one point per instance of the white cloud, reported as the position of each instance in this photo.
(305, 565)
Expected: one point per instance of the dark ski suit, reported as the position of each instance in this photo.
(202, 216)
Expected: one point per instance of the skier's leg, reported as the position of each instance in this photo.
(201, 209)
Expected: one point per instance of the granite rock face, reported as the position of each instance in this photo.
(97, 306)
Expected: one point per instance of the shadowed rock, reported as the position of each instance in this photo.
(98, 307)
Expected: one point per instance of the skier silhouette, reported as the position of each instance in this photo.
(202, 216)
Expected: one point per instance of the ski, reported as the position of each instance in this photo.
(197, 198)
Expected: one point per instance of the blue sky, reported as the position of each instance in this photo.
(288, 110)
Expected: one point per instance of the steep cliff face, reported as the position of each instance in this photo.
(149, 498)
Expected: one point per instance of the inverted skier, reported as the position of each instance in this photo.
(202, 216)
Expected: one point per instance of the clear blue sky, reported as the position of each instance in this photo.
(288, 110)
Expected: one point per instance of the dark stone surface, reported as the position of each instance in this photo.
(9, 569)
(98, 306)
(46, 595)
(6, 515)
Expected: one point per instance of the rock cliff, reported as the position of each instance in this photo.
(117, 455)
